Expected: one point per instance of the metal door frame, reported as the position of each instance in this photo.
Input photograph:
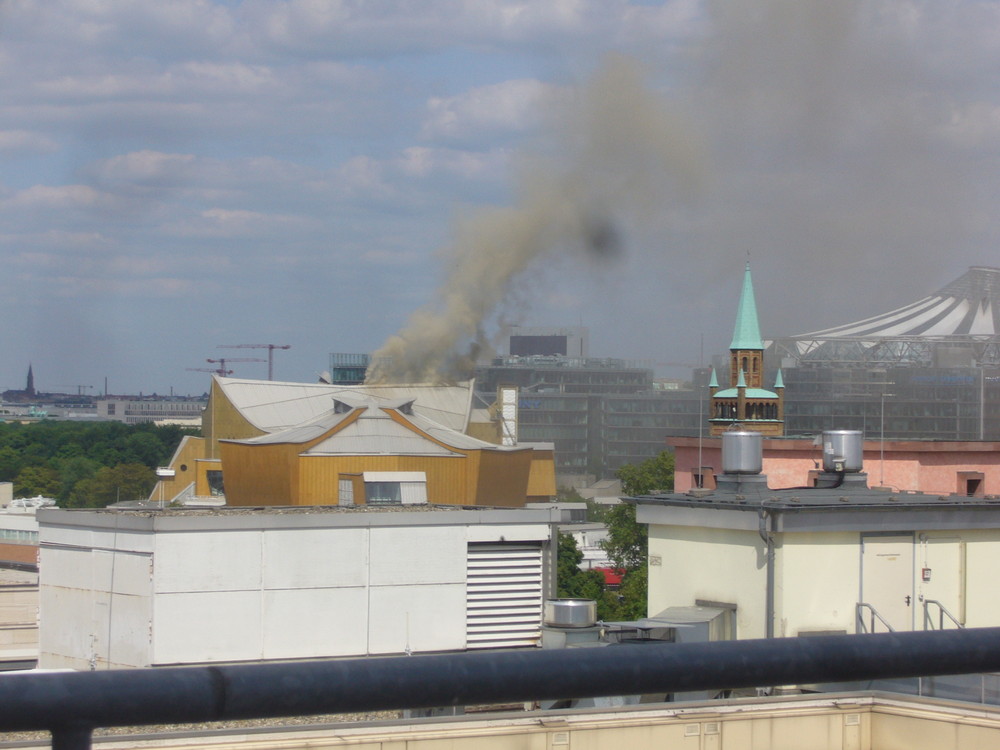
(911, 535)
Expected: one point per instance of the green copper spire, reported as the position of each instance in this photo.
(714, 381)
(779, 382)
(742, 382)
(747, 332)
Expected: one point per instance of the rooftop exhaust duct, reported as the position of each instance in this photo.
(843, 451)
(742, 461)
(742, 452)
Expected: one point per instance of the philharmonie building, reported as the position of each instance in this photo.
(928, 370)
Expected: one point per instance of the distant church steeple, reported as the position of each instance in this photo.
(29, 389)
(746, 402)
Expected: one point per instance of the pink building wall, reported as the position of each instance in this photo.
(944, 467)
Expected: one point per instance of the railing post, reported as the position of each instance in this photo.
(72, 738)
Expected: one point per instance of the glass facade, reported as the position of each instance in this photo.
(599, 413)
(903, 403)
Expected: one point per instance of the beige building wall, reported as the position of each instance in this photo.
(817, 577)
(690, 564)
(816, 582)
(18, 616)
(833, 722)
(964, 569)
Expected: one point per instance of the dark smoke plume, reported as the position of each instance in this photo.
(619, 144)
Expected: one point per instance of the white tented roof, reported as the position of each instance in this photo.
(272, 406)
(374, 432)
(968, 306)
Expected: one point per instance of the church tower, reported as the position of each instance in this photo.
(745, 402)
(29, 388)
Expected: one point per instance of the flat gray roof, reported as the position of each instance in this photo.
(851, 506)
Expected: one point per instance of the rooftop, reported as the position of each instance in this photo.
(741, 501)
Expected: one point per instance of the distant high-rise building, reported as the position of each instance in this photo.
(348, 368)
(521, 341)
(600, 414)
(927, 370)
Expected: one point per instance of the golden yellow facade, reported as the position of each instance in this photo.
(190, 450)
(281, 475)
(275, 473)
(223, 421)
(542, 477)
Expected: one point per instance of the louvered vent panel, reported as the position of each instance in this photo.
(504, 595)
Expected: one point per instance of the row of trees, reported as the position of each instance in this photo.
(85, 464)
(626, 546)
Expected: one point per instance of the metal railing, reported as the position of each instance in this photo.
(942, 614)
(87, 700)
(874, 616)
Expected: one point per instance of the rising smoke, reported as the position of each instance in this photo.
(836, 160)
(619, 147)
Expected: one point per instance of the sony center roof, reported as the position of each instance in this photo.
(968, 306)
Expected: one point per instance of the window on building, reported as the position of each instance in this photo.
(215, 486)
(345, 491)
(395, 487)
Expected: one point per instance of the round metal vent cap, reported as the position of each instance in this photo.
(570, 613)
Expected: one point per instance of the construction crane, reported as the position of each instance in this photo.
(222, 361)
(217, 370)
(270, 353)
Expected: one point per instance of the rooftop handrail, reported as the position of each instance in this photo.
(862, 628)
(175, 695)
(942, 613)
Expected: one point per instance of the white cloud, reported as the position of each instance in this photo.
(147, 167)
(220, 223)
(23, 140)
(489, 111)
(422, 162)
(62, 197)
(163, 287)
(61, 240)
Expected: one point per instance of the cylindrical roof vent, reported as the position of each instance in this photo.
(843, 450)
(570, 613)
(742, 452)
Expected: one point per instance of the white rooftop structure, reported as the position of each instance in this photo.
(272, 406)
(964, 312)
(375, 431)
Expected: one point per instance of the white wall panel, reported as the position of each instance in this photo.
(519, 533)
(67, 567)
(423, 618)
(212, 626)
(66, 625)
(417, 554)
(208, 561)
(93, 537)
(304, 623)
(130, 638)
(132, 574)
(306, 558)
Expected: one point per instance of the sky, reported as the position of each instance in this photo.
(407, 177)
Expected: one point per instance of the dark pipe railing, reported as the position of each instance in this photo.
(71, 705)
